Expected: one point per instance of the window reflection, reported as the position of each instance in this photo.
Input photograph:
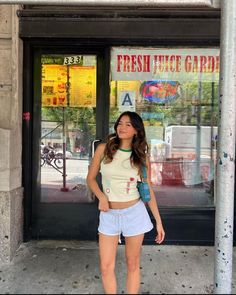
(181, 119)
(68, 126)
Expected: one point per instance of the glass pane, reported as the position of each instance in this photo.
(175, 91)
(68, 126)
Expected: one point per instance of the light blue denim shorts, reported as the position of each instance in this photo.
(129, 222)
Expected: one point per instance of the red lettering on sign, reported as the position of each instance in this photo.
(139, 63)
(133, 63)
(195, 64)
(217, 69)
(119, 58)
(203, 62)
(146, 63)
(211, 64)
(188, 63)
(178, 63)
(166, 63)
(127, 63)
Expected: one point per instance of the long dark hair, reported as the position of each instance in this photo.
(139, 143)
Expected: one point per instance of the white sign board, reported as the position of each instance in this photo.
(175, 64)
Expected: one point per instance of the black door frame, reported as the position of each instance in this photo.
(184, 225)
(36, 226)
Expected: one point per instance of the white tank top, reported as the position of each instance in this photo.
(119, 178)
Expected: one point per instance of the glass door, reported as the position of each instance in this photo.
(68, 120)
(65, 126)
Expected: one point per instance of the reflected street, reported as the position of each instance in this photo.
(52, 182)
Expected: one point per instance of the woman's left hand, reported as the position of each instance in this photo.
(160, 234)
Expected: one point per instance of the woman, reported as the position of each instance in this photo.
(120, 161)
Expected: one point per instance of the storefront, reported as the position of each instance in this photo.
(82, 68)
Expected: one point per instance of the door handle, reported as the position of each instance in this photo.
(94, 145)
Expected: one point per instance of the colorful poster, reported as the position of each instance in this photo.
(160, 91)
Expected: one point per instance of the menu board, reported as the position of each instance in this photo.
(82, 86)
(81, 81)
(54, 79)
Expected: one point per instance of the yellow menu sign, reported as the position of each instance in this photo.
(54, 79)
(82, 86)
(81, 81)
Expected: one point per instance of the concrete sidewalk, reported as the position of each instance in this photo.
(72, 267)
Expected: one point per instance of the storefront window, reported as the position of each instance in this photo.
(175, 91)
(68, 126)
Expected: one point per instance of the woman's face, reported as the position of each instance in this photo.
(125, 130)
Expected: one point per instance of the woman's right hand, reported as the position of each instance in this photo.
(103, 204)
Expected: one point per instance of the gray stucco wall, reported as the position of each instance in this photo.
(11, 192)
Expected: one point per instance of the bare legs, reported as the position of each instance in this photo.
(133, 251)
(107, 250)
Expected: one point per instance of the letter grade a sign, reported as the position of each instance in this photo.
(126, 101)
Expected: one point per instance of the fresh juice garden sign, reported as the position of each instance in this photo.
(175, 64)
